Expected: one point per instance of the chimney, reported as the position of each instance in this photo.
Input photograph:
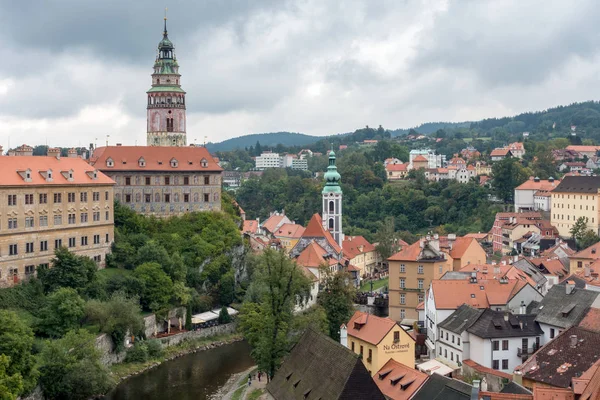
(24, 150)
(452, 236)
(536, 179)
(515, 258)
(521, 324)
(475, 390)
(569, 287)
(119, 144)
(573, 340)
(522, 308)
(72, 153)
(551, 179)
(506, 316)
(496, 269)
(1, 153)
(473, 277)
(587, 271)
(54, 152)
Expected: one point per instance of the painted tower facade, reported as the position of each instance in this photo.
(332, 201)
(166, 100)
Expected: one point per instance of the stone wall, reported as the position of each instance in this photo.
(494, 382)
(206, 332)
(37, 394)
(151, 327)
(105, 344)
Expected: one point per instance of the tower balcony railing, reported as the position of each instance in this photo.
(167, 105)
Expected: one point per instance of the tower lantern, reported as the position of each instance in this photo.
(332, 201)
(166, 120)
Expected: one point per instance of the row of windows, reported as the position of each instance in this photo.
(562, 196)
(562, 216)
(57, 197)
(403, 298)
(496, 364)
(43, 219)
(166, 198)
(574, 207)
(420, 269)
(29, 270)
(457, 338)
(496, 345)
(451, 355)
(166, 180)
(13, 249)
(420, 283)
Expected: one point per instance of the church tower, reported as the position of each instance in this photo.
(332, 201)
(166, 100)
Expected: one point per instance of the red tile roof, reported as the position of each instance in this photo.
(585, 149)
(486, 370)
(542, 184)
(588, 384)
(315, 229)
(409, 253)
(591, 321)
(499, 152)
(250, 226)
(313, 255)
(273, 221)
(369, 328)
(477, 236)
(14, 170)
(156, 158)
(592, 252)
(355, 245)
(290, 230)
(451, 294)
(420, 158)
(410, 380)
(396, 167)
(460, 246)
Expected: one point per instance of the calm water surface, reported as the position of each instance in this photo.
(191, 377)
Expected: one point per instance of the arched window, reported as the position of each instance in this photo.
(331, 223)
(331, 207)
(157, 197)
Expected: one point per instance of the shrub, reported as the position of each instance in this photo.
(155, 348)
(224, 316)
(137, 353)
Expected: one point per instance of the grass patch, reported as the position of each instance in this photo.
(124, 369)
(237, 395)
(255, 394)
(366, 286)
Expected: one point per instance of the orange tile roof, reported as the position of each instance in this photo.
(157, 158)
(592, 252)
(591, 321)
(315, 229)
(409, 253)
(478, 236)
(372, 328)
(313, 256)
(460, 246)
(563, 246)
(250, 226)
(499, 152)
(271, 223)
(403, 389)
(489, 271)
(531, 184)
(504, 396)
(585, 149)
(290, 231)
(352, 246)
(396, 167)
(14, 171)
(451, 294)
(420, 158)
(591, 390)
(549, 393)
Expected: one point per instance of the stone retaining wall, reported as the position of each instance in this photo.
(205, 332)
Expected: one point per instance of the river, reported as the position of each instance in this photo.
(191, 377)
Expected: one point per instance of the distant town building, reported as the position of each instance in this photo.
(162, 181)
(500, 154)
(517, 149)
(232, 179)
(395, 170)
(48, 202)
(268, 159)
(433, 160)
(526, 192)
(575, 197)
(166, 120)
(588, 151)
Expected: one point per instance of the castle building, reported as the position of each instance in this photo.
(166, 99)
(162, 181)
(332, 201)
(47, 202)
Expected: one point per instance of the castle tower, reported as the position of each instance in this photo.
(332, 201)
(166, 100)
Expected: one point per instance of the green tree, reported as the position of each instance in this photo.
(16, 342)
(588, 238)
(508, 174)
(10, 385)
(224, 317)
(278, 285)
(63, 312)
(157, 286)
(117, 316)
(579, 228)
(70, 368)
(337, 298)
(387, 238)
(68, 270)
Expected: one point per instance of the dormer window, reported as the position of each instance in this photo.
(95, 174)
(204, 163)
(49, 175)
(110, 162)
(142, 162)
(28, 175)
(71, 175)
(174, 163)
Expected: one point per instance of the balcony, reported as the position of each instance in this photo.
(526, 352)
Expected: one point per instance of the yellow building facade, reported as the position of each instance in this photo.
(573, 198)
(47, 203)
(378, 340)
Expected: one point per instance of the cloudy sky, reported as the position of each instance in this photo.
(74, 71)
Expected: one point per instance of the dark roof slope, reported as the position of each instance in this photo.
(531, 270)
(578, 184)
(439, 387)
(514, 388)
(320, 368)
(564, 310)
(493, 324)
(461, 319)
(557, 362)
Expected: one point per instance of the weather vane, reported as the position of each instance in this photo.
(166, 9)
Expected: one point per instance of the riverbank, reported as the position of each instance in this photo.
(124, 370)
(237, 388)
